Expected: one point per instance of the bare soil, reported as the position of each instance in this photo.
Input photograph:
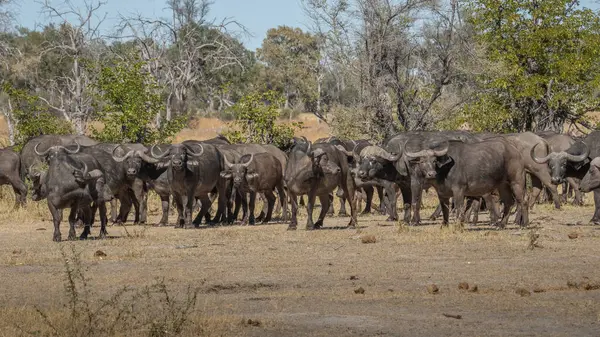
(266, 281)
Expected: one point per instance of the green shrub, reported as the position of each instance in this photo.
(256, 121)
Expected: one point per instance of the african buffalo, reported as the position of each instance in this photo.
(316, 170)
(257, 173)
(73, 180)
(450, 169)
(193, 169)
(13, 173)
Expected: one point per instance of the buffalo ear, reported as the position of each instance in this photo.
(191, 164)
(251, 175)
(400, 166)
(443, 161)
(578, 165)
(226, 174)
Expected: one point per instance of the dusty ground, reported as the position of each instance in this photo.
(266, 281)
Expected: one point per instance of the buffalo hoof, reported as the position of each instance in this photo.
(162, 224)
(318, 224)
(72, 235)
(310, 227)
(391, 218)
(57, 238)
(103, 235)
(342, 214)
(595, 221)
(366, 212)
(290, 228)
(252, 222)
(577, 202)
(261, 216)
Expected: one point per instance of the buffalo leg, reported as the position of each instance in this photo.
(282, 201)
(349, 191)
(369, 191)
(445, 210)
(188, 206)
(265, 205)
(164, 201)
(507, 200)
(103, 219)
(251, 207)
(390, 191)
(113, 210)
(205, 206)
(331, 209)
(20, 191)
(87, 213)
(324, 199)
(381, 197)
(343, 198)
(72, 222)
(180, 211)
(537, 184)
(406, 197)
(574, 186)
(416, 190)
(294, 217)
(596, 218)
(140, 196)
(309, 208)
(436, 213)
(244, 203)
(458, 198)
(271, 204)
(56, 219)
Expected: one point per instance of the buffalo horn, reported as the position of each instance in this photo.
(146, 157)
(421, 153)
(227, 162)
(160, 156)
(580, 157)
(536, 159)
(246, 164)
(344, 151)
(120, 159)
(41, 153)
(73, 151)
(442, 152)
(196, 154)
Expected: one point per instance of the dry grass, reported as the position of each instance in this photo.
(266, 281)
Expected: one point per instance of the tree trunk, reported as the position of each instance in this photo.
(10, 124)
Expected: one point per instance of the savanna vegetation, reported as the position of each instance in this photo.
(367, 68)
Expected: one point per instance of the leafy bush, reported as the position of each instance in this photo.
(32, 117)
(129, 99)
(256, 121)
(353, 123)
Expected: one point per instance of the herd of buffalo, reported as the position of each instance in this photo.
(79, 173)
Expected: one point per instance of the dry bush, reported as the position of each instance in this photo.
(152, 310)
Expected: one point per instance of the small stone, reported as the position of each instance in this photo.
(523, 292)
(433, 289)
(253, 322)
(463, 286)
(353, 277)
(573, 236)
(99, 253)
(359, 290)
(474, 289)
(368, 239)
(538, 289)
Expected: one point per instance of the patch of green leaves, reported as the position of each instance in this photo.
(255, 120)
(32, 117)
(128, 101)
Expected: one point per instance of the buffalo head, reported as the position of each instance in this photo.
(426, 162)
(178, 155)
(56, 151)
(321, 163)
(133, 160)
(240, 172)
(372, 159)
(558, 161)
